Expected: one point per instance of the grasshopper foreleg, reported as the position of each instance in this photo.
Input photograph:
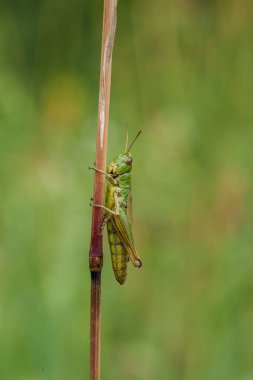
(108, 176)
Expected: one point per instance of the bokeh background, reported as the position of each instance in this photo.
(182, 71)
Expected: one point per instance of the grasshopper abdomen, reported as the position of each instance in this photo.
(118, 254)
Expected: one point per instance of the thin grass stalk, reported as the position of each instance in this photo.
(96, 246)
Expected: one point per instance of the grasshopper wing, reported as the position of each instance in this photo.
(130, 208)
(123, 228)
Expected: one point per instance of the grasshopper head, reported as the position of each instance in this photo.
(121, 164)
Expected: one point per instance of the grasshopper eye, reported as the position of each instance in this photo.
(128, 161)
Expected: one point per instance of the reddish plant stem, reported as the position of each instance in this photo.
(95, 326)
(96, 247)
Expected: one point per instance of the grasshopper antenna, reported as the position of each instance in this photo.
(138, 134)
(126, 136)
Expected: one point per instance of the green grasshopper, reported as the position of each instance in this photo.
(118, 213)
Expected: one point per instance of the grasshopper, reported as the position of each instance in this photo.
(118, 213)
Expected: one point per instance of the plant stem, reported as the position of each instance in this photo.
(96, 246)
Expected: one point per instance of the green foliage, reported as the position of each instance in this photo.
(182, 72)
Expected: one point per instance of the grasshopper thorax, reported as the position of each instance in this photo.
(120, 165)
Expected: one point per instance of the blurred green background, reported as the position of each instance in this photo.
(182, 71)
